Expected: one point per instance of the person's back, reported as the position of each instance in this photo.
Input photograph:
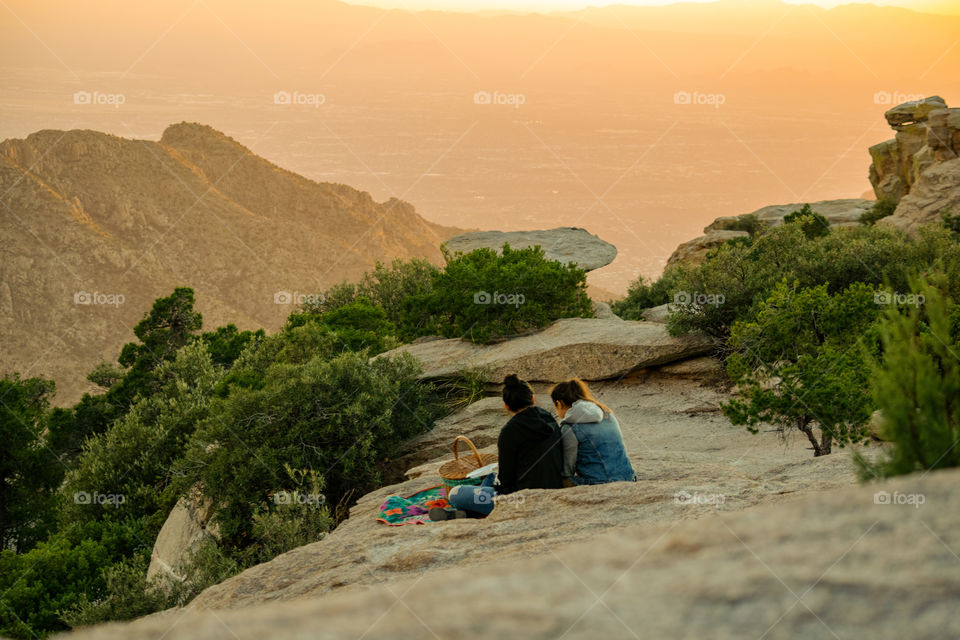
(593, 448)
(601, 454)
(530, 452)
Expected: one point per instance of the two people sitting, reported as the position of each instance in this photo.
(535, 452)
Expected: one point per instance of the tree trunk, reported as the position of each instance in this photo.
(804, 426)
(826, 440)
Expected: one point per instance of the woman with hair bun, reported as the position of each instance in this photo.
(593, 449)
(529, 451)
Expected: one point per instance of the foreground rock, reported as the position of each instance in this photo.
(565, 244)
(679, 444)
(184, 530)
(919, 168)
(588, 348)
(727, 535)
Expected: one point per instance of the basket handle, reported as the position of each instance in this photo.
(456, 454)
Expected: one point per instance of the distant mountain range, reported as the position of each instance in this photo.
(96, 227)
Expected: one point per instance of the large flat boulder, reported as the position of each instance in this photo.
(587, 348)
(912, 112)
(849, 562)
(677, 440)
(564, 244)
(841, 212)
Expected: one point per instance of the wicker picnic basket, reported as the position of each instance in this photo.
(454, 472)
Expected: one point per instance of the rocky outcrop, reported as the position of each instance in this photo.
(564, 244)
(726, 535)
(694, 252)
(678, 442)
(840, 213)
(937, 192)
(603, 311)
(589, 348)
(187, 526)
(659, 314)
(918, 168)
(844, 212)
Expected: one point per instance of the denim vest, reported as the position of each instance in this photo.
(601, 455)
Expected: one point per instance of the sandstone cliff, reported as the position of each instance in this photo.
(919, 168)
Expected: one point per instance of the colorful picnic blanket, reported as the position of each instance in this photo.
(399, 510)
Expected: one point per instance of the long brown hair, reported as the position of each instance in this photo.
(576, 389)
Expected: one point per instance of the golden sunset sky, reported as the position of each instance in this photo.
(929, 6)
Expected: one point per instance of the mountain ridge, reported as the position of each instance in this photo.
(95, 213)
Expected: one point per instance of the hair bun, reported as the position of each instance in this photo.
(512, 381)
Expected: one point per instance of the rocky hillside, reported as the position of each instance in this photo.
(93, 218)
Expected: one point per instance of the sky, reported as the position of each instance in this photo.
(929, 6)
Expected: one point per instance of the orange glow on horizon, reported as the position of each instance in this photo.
(947, 7)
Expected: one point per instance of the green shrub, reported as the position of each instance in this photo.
(951, 221)
(643, 294)
(746, 274)
(800, 366)
(483, 296)
(131, 460)
(338, 417)
(357, 325)
(36, 586)
(30, 471)
(171, 323)
(128, 594)
(459, 392)
(226, 343)
(813, 224)
(916, 384)
(881, 209)
(298, 343)
(387, 287)
(748, 222)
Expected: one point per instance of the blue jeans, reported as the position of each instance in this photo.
(472, 498)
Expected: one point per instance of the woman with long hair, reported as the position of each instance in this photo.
(593, 449)
(529, 452)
